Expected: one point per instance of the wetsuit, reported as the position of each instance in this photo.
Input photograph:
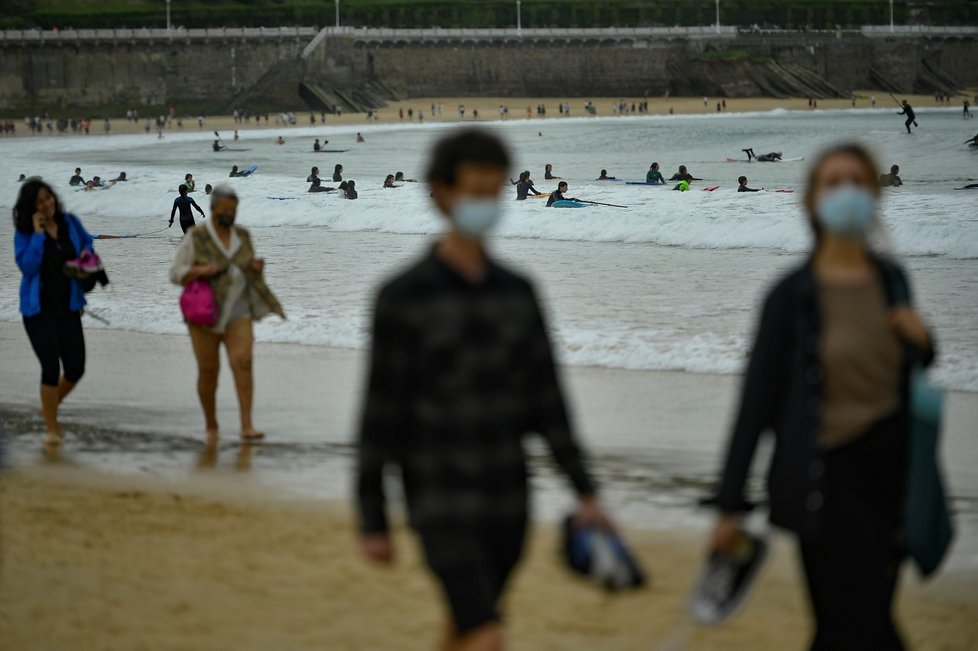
(773, 157)
(548, 176)
(523, 189)
(319, 188)
(76, 180)
(654, 177)
(351, 194)
(556, 195)
(217, 147)
(185, 205)
(682, 186)
(310, 178)
(337, 177)
(911, 116)
(316, 147)
(744, 188)
(679, 177)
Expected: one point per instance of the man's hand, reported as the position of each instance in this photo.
(377, 547)
(591, 514)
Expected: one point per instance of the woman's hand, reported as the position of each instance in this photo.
(590, 513)
(378, 547)
(204, 271)
(909, 326)
(40, 221)
(726, 533)
(258, 264)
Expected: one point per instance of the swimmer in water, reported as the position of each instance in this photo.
(351, 190)
(208, 188)
(972, 141)
(235, 172)
(316, 146)
(399, 178)
(742, 185)
(21, 178)
(280, 141)
(185, 205)
(337, 173)
(360, 137)
(77, 178)
(773, 157)
(654, 176)
(682, 174)
(604, 176)
(121, 177)
(524, 187)
(188, 181)
(218, 146)
(891, 180)
(317, 186)
(313, 174)
(548, 172)
(683, 185)
(558, 194)
(389, 181)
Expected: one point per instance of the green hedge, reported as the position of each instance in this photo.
(816, 14)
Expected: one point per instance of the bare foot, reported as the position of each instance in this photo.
(250, 434)
(54, 438)
(213, 436)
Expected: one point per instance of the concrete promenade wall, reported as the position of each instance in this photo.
(209, 70)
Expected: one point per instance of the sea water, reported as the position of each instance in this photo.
(670, 281)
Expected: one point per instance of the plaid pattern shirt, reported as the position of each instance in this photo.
(459, 373)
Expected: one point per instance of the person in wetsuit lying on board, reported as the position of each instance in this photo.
(773, 157)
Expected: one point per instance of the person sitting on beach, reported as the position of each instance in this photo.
(460, 371)
(317, 186)
(682, 174)
(389, 181)
(235, 172)
(221, 254)
(654, 176)
(826, 379)
(548, 172)
(120, 178)
(316, 146)
(351, 190)
(280, 141)
(217, 146)
(313, 174)
(337, 173)
(892, 179)
(399, 178)
(558, 194)
(742, 185)
(51, 301)
(604, 176)
(185, 204)
(76, 179)
(683, 185)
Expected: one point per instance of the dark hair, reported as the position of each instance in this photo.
(682, 169)
(562, 184)
(470, 145)
(314, 169)
(344, 185)
(351, 185)
(604, 172)
(337, 168)
(689, 177)
(741, 179)
(188, 175)
(653, 165)
(894, 169)
(26, 204)
(853, 149)
(183, 189)
(316, 181)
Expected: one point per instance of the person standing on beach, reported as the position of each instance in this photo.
(461, 369)
(51, 302)
(185, 204)
(828, 373)
(221, 254)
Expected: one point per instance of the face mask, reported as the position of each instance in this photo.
(474, 218)
(225, 221)
(847, 211)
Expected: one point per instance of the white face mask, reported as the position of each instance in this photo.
(474, 218)
(847, 211)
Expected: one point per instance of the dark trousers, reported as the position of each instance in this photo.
(57, 341)
(852, 569)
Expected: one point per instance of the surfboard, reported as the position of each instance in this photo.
(654, 185)
(608, 179)
(564, 203)
(281, 198)
(248, 171)
(754, 160)
(542, 195)
(710, 188)
(329, 151)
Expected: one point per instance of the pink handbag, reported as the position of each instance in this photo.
(198, 303)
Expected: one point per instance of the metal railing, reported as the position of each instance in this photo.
(919, 30)
(76, 35)
(512, 32)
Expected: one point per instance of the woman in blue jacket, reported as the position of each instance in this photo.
(51, 302)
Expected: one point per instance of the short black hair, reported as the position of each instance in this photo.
(562, 184)
(26, 204)
(466, 146)
(183, 189)
(741, 179)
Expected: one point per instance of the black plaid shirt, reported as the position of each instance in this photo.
(459, 373)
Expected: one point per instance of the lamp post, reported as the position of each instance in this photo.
(718, 16)
(519, 15)
(337, 14)
(891, 16)
(167, 16)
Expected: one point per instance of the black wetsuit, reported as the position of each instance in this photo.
(773, 157)
(744, 188)
(76, 180)
(351, 194)
(185, 205)
(337, 177)
(911, 116)
(556, 195)
(523, 189)
(319, 188)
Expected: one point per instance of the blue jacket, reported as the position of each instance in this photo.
(29, 251)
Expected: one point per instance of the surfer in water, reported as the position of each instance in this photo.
(604, 176)
(351, 190)
(558, 194)
(682, 174)
(891, 180)
(317, 186)
(973, 142)
(218, 146)
(280, 141)
(185, 205)
(548, 172)
(337, 173)
(399, 178)
(360, 137)
(389, 181)
(911, 116)
(121, 177)
(78, 180)
(773, 157)
(235, 172)
(683, 185)
(742, 185)
(524, 187)
(316, 146)
(313, 174)
(654, 176)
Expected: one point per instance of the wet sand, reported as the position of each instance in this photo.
(488, 108)
(214, 563)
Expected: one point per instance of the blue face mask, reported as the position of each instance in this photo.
(847, 211)
(474, 218)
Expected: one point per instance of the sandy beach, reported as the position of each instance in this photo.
(96, 562)
(488, 108)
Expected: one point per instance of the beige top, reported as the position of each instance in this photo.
(861, 358)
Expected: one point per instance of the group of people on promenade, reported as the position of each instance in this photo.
(461, 368)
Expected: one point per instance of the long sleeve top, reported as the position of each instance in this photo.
(459, 374)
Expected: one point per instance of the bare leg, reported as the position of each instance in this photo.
(485, 638)
(64, 388)
(207, 350)
(49, 409)
(240, 340)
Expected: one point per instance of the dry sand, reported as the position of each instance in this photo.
(132, 563)
(488, 108)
